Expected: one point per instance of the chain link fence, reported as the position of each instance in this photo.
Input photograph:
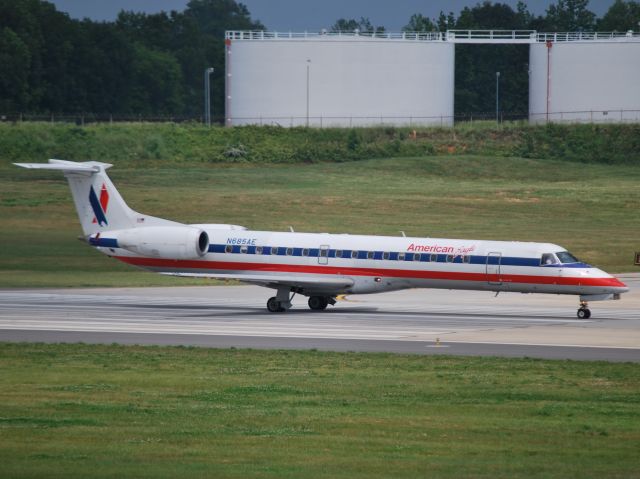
(585, 116)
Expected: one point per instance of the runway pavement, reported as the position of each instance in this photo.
(412, 321)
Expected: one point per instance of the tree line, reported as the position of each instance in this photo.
(153, 64)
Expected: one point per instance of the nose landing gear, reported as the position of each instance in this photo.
(583, 311)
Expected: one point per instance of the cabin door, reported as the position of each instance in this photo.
(323, 254)
(493, 268)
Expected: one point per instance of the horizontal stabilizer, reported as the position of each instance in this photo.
(68, 166)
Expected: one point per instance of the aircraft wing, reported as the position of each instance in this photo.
(277, 280)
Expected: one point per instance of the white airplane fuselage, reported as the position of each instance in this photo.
(373, 264)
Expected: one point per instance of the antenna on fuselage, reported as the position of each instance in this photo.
(403, 235)
(291, 229)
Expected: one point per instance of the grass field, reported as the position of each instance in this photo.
(116, 411)
(591, 209)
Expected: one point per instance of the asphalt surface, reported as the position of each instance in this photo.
(412, 321)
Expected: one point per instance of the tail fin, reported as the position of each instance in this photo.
(99, 205)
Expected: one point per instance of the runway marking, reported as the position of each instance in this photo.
(561, 345)
(182, 332)
(204, 312)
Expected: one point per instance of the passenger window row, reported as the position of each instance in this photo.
(338, 253)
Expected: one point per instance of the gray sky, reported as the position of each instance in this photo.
(312, 15)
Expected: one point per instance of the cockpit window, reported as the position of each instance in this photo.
(566, 257)
(548, 258)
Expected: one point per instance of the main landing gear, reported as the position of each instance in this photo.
(318, 303)
(273, 305)
(583, 311)
(282, 301)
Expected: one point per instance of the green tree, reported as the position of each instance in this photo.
(569, 16)
(152, 64)
(158, 31)
(14, 74)
(201, 45)
(419, 23)
(195, 39)
(157, 81)
(446, 22)
(476, 65)
(363, 26)
(621, 17)
(102, 68)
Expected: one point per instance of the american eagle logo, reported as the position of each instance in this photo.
(99, 206)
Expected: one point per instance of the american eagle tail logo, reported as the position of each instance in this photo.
(99, 206)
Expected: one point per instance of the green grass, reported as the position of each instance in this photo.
(116, 411)
(591, 209)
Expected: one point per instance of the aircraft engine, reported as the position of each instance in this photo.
(168, 242)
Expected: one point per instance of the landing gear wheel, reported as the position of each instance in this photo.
(273, 305)
(584, 313)
(583, 310)
(318, 303)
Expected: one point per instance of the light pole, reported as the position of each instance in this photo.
(497, 97)
(308, 63)
(207, 96)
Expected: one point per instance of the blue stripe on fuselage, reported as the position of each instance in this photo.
(393, 256)
(104, 242)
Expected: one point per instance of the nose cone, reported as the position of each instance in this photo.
(607, 283)
(614, 284)
(620, 286)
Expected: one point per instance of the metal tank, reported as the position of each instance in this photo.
(578, 79)
(342, 80)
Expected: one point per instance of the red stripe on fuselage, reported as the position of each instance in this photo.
(350, 271)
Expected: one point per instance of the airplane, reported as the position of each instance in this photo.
(321, 266)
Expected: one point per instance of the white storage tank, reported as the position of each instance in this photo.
(594, 80)
(338, 79)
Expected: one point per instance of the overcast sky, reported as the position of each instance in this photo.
(312, 15)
